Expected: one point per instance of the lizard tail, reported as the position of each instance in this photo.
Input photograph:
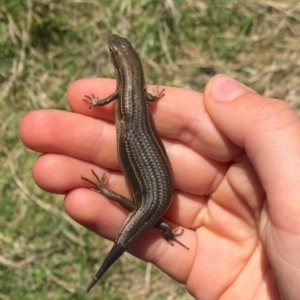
(116, 251)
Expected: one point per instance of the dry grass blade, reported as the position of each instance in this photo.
(65, 285)
(27, 195)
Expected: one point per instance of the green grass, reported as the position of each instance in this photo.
(45, 45)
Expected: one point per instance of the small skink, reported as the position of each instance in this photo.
(141, 154)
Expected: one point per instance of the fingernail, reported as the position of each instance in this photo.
(225, 89)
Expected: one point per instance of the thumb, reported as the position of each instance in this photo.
(269, 131)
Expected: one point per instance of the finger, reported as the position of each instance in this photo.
(94, 141)
(268, 129)
(190, 125)
(102, 216)
(179, 115)
(66, 175)
(70, 134)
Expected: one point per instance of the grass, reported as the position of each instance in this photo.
(45, 45)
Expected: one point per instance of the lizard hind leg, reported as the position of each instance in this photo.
(169, 233)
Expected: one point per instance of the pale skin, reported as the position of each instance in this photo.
(236, 167)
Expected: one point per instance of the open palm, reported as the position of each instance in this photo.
(219, 199)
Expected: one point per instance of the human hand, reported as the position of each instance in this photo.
(236, 172)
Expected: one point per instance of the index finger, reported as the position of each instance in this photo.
(179, 115)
